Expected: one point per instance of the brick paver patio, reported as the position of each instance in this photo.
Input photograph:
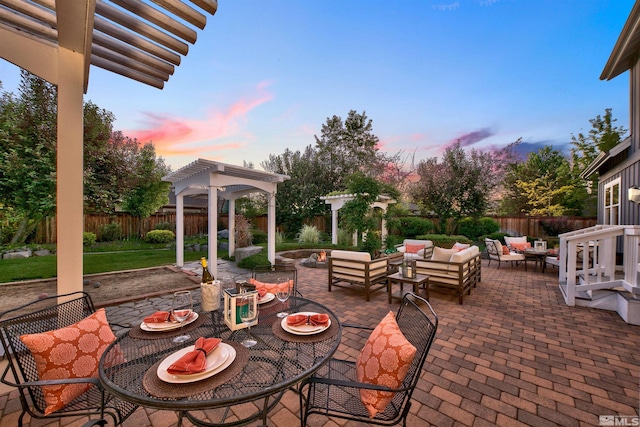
(513, 355)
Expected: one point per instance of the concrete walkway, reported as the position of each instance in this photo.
(513, 355)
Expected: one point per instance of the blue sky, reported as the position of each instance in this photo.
(264, 76)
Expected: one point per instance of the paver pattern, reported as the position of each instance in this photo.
(513, 355)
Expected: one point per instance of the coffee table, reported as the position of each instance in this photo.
(536, 255)
(398, 278)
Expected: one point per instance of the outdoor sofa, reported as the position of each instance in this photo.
(357, 270)
(452, 269)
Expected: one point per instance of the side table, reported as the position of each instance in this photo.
(397, 278)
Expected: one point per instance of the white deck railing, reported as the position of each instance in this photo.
(588, 259)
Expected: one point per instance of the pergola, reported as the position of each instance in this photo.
(58, 40)
(338, 201)
(213, 180)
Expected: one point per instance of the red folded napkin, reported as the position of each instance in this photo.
(194, 361)
(158, 317)
(263, 288)
(318, 319)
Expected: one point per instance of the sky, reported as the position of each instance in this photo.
(265, 76)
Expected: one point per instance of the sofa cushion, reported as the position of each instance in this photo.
(460, 246)
(520, 246)
(352, 255)
(441, 254)
(505, 250)
(384, 360)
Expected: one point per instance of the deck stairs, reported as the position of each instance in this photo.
(589, 276)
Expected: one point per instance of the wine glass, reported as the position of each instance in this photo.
(181, 309)
(248, 313)
(283, 291)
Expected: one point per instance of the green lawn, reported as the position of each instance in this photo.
(12, 270)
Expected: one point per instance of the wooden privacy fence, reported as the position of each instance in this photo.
(196, 223)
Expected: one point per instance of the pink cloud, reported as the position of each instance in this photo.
(178, 135)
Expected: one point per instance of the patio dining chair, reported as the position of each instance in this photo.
(335, 391)
(270, 274)
(26, 331)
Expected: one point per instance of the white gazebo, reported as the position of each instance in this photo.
(206, 178)
(59, 41)
(338, 201)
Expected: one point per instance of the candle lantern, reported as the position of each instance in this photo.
(234, 303)
(409, 268)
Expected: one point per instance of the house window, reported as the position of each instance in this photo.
(612, 202)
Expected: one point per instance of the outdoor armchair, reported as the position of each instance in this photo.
(335, 391)
(21, 327)
(496, 252)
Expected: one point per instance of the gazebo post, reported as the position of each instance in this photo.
(232, 226)
(179, 230)
(271, 227)
(334, 224)
(213, 231)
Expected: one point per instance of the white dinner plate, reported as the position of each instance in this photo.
(217, 361)
(166, 326)
(266, 298)
(304, 329)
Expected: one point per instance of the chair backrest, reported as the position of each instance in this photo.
(38, 316)
(419, 327)
(492, 249)
(271, 274)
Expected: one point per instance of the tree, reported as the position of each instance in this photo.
(109, 158)
(603, 136)
(349, 147)
(461, 185)
(543, 185)
(298, 198)
(28, 130)
(148, 192)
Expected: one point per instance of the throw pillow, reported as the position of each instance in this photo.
(384, 360)
(70, 352)
(505, 251)
(521, 246)
(460, 246)
(441, 254)
(412, 249)
(268, 287)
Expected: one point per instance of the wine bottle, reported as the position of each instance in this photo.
(206, 275)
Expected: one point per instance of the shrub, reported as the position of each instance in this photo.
(88, 238)
(556, 226)
(160, 236)
(165, 226)
(110, 232)
(413, 226)
(244, 237)
(280, 238)
(344, 237)
(391, 241)
(474, 227)
(443, 240)
(259, 236)
(308, 234)
(371, 244)
(261, 258)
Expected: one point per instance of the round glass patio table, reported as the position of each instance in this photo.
(277, 363)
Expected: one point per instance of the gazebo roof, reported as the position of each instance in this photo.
(195, 178)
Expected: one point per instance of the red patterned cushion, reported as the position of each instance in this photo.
(521, 246)
(505, 250)
(413, 249)
(384, 360)
(269, 287)
(70, 352)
